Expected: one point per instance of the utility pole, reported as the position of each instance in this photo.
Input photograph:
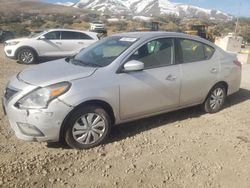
(237, 21)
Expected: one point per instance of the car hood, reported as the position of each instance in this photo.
(54, 72)
(17, 40)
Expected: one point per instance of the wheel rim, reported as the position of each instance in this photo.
(26, 57)
(216, 98)
(89, 128)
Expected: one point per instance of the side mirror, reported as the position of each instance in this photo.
(133, 65)
(42, 37)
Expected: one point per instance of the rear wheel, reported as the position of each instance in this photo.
(26, 56)
(215, 99)
(87, 127)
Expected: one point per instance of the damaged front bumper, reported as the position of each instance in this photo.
(42, 125)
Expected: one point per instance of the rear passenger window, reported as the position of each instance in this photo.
(193, 51)
(70, 35)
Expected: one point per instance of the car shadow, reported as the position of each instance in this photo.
(46, 59)
(133, 128)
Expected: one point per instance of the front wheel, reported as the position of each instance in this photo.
(215, 99)
(26, 56)
(87, 127)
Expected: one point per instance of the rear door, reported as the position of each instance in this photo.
(200, 68)
(157, 87)
(73, 42)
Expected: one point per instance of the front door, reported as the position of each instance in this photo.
(157, 87)
(51, 45)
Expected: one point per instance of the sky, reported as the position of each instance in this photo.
(234, 7)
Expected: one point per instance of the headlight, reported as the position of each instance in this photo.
(40, 98)
(12, 43)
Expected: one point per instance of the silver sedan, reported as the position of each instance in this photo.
(121, 78)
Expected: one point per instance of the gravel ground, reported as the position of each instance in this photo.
(186, 148)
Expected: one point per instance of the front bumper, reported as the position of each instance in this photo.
(10, 51)
(42, 125)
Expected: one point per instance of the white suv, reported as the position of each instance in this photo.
(50, 43)
(97, 26)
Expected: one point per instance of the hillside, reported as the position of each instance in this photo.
(27, 6)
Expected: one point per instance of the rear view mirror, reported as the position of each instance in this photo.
(133, 65)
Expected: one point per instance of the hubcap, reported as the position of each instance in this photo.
(89, 128)
(26, 57)
(216, 98)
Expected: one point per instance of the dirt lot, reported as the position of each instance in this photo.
(186, 148)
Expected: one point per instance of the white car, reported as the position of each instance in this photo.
(97, 26)
(50, 43)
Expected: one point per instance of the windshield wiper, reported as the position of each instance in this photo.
(86, 64)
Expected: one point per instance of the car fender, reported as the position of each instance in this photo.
(23, 47)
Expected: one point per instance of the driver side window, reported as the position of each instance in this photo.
(156, 53)
(54, 35)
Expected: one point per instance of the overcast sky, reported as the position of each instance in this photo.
(234, 7)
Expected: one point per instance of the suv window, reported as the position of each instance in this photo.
(84, 36)
(155, 53)
(54, 35)
(193, 51)
(71, 35)
(68, 35)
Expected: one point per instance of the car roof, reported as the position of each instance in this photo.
(153, 34)
(97, 22)
(74, 30)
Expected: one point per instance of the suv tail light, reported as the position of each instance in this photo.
(238, 63)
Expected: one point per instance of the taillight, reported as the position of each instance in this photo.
(238, 63)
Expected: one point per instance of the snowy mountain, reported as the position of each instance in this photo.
(149, 7)
(65, 4)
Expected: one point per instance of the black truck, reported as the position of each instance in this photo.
(5, 35)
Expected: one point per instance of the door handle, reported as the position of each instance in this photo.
(58, 43)
(171, 77)
(213, 70)
(80, 42)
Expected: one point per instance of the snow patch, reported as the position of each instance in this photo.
(68, 4)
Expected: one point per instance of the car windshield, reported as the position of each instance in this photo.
(97, 23)
(103, 52)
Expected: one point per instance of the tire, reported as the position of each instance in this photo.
(87, 127)
(215, 99)
(26, 56)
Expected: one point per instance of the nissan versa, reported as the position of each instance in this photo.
(118, 79)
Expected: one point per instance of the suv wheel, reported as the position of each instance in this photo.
(26, 56)
(215, 99)
(87, 127)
